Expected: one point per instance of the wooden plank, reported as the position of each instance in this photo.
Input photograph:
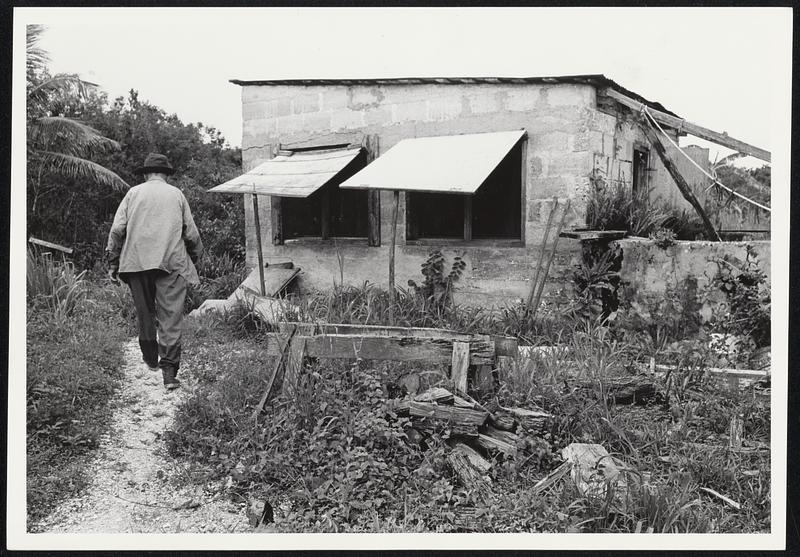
(395, 209)
(683, 186)
(398, 348)
(585, 235)
(685, 126)
(460, 365)
(504, 345)
(275, 369)
(275, 280)
(257, 220)
(50, 245)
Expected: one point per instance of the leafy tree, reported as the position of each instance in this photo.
(59, 147)
(76, 210)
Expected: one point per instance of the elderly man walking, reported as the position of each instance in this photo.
(153, 247)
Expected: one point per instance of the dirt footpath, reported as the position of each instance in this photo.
(131, 489)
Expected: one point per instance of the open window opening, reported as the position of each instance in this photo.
(493, 212)
(329, 212)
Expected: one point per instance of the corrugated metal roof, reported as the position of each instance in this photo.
(444, 164)
(295, 175)
(597, 80)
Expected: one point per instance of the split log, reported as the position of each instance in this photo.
(463, 421)
(535, 421)
(470, 467)
(498, 440)
(635, 390)
(504, 421)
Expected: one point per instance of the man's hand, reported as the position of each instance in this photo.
(113, 274)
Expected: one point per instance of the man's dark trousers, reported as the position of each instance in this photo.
(159, 299)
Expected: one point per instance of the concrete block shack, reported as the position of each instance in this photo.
(532, 140)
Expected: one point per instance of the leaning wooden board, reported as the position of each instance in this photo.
(276, 280)
(400, 348)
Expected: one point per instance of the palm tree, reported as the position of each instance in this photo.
(58, 145)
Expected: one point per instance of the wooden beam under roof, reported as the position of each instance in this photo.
(685, 126)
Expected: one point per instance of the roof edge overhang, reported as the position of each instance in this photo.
(596, 80)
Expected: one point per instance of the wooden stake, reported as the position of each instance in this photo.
(538, 298)
(257, 220)
(395, 209)
(683, 186)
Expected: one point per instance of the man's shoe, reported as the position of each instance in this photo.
(173, 385)
(153, 367)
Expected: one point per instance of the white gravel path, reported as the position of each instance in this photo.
(132, 489)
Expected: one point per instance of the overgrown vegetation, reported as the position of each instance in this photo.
(75, 331)
(333, 456)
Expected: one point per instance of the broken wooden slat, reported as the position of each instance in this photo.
(688, 127)
(387, 348)
(469, 466)
(728, 500)
(553, 477)
(276, 280)
(257, 221)
(50, 245)
(460, 365)
(271, 380)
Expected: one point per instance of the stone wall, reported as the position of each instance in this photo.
(648, 270)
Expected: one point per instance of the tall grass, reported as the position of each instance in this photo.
(53, 284)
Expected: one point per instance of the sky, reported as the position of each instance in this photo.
(712, 66)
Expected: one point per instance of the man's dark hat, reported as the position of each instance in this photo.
(155, 162)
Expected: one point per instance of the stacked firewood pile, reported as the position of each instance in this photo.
(475, 431)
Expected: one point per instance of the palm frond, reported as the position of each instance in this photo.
(69, 83)
(76, 168)
(36, 57)
(69, 136)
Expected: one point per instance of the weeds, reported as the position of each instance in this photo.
(73, 369)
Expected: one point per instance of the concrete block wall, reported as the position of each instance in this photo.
(562, 136)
